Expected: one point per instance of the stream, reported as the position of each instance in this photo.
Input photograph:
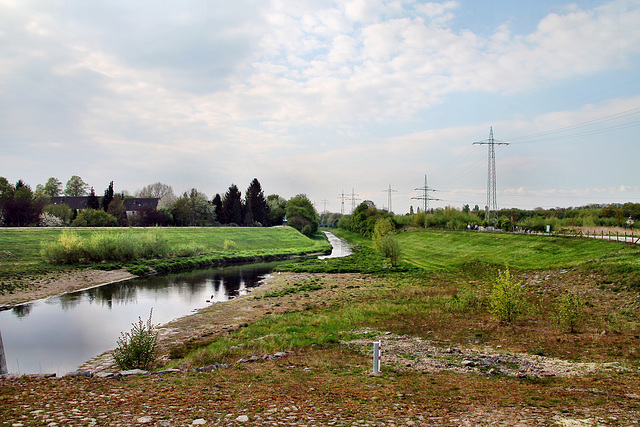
(58, 334)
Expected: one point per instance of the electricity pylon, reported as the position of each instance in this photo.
(425, 195)
(390, 191)
(492, 202)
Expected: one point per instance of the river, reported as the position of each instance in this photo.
(58, 334)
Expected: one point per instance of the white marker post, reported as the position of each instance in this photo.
(3, 360)
(377, 353)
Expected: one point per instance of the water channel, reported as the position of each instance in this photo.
(58, 334)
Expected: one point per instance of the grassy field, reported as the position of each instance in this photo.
(21, 255)
(449, 250)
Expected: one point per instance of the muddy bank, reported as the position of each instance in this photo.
(60, 283)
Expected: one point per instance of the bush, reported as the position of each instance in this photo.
(230, 245)
(67, 250)
(94, 218)
(570, 312)
(506, 299)
(49, 220)
(390, 248)
(137, 348)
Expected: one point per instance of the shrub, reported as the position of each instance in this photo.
(390, 249)
(67, 250)
(230, 245)
(137, 348)
(94, 218)
(506, 299)
(49, 220)
(570, 312)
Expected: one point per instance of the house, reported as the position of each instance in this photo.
(77, 203)
(135, 204)
(131, 204)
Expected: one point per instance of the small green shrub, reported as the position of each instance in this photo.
(506, 299)
(570, 312)
(390, 248)
(191, 249)
(230, 245)
(137, 348)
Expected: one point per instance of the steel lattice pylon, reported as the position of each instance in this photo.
(492, 201)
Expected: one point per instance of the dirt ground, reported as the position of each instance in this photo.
(423, 383)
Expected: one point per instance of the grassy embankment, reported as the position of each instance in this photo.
(22, 258)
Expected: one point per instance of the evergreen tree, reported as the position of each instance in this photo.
(92, 200)
(217, 206)
(256, 204)
(232, 206)
(108, 197)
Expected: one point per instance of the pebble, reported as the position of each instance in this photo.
(199, 422)
(242, 419)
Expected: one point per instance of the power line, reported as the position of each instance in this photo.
(552, 134)
(492, 202)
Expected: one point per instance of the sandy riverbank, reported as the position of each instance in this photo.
(60, 283)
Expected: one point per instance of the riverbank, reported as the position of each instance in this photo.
(25, 276)
(58, 283)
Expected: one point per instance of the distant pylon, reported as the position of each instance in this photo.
(492, 201)
(342, 196)
(425, 195)
(389, 200)
(353, 200)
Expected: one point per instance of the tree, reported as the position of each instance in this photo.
(92, 201)
(232, 206)
(157, 190)
(301, 215)
(53, 187)
(193, 209)
(217, 206)
(6, 194)
(255, 204)
(22, 209)
(277, 211)
(117, 210)
(108, 197)
(76, 187)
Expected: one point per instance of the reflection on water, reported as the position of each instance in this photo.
(60, 333)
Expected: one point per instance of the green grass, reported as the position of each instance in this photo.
(21, 249)
(450, 250)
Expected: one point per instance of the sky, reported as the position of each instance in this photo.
(327, 98)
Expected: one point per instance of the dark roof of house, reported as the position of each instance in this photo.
(73, 202)
(130, 204)
(137, 203)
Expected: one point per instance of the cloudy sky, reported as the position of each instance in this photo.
(324, 97)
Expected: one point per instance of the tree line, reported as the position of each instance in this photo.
(20, 206)
(627, 215)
